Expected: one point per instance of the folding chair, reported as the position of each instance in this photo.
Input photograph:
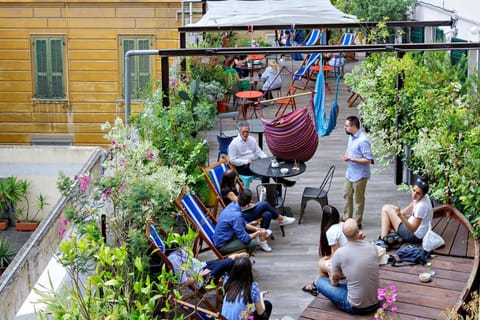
(286, 102)
(304, 72)
(192, 311)
(155, 236)
(213, 174)
(198, 217)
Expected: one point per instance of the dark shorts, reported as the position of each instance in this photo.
(407, 235)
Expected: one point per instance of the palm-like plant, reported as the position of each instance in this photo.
(6, 253)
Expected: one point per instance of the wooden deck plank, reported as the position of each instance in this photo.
(470, 246)
(459, 247)
(449, 235)
(447, 288)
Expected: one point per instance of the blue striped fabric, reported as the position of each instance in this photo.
(196, 213)
(304, 69)
(216, 175)
(156, 238)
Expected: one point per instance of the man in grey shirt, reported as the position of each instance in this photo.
(357, 262)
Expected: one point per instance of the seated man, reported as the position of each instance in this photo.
(254, 211)
(244, 149)
(413, 228)
(357, 262)
(231, 230)
(213, 269)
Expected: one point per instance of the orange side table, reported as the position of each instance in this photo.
(248, 100)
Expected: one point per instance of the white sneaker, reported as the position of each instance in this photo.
(268, 233)
(286, 220)
(264, 246)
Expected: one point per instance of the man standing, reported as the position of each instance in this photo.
(357, 262)
(244, 149)
(358, 157)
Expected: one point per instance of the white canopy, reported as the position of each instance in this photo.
(270, 12)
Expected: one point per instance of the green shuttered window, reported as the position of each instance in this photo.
(140, 69)
(49, 68)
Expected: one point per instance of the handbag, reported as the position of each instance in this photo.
(432, 240)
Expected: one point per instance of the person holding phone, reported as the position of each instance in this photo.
(243, 297)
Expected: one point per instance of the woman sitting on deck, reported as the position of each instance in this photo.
(331, 238)
(413, 228)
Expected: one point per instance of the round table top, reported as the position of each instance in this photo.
(255, 57)
(249, 94)
(324, 68)
(263, 167)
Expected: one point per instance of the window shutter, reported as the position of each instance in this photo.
(129, 44)
(41, 73)
(49, 73)
(417, 35)
(143, 66)
(56, 46)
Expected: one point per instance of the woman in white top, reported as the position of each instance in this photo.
(272, 79)
(412, 222)
(331, 238)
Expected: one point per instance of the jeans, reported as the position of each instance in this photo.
(262, 209)
(338, 295)
(218, 268)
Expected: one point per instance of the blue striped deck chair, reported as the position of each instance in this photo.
(197, 215)
(154, 235)
(347, 39)
(213, 174)
(304, 71)
(311, 40)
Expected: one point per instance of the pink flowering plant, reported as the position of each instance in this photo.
(387, 297)
(247, 314)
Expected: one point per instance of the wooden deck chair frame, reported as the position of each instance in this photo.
(154, 235)
(192, 311)
(305, 71)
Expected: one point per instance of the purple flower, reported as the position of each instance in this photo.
(150, 155)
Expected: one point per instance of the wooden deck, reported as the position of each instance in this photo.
(455, 266)
(293, 261)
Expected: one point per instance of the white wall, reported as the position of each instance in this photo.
(467, 12)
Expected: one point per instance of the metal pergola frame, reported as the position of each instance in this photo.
(384, 47)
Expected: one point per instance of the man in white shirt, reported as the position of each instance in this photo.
(244, 149)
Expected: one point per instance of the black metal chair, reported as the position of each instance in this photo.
(318, 194)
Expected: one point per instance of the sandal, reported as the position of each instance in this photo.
(311, 288)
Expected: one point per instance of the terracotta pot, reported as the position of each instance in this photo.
(3, 225)
(26, 226)
(221, 106)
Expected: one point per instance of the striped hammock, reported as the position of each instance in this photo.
(292, 136)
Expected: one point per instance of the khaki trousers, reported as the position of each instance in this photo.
(354, 194)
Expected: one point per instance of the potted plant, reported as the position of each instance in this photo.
(27, 223)
(12, 190)
(6, 255)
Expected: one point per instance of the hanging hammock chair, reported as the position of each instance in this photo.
(324, 125)
(292, 136)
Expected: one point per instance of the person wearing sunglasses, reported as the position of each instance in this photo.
(411, 223)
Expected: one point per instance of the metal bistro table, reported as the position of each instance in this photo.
(263, 167)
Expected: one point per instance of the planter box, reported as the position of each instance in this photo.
(26, 226)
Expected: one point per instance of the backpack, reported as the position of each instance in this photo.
(411, 253)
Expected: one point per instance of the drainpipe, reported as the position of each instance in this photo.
(129, 54)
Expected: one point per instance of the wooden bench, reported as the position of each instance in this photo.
(455, 265)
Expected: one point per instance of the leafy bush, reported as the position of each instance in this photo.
(435, 113)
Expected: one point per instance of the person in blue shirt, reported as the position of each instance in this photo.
(358, 157)
(231, 230)
(242, 294)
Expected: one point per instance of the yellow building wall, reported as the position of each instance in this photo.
(93, 65)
